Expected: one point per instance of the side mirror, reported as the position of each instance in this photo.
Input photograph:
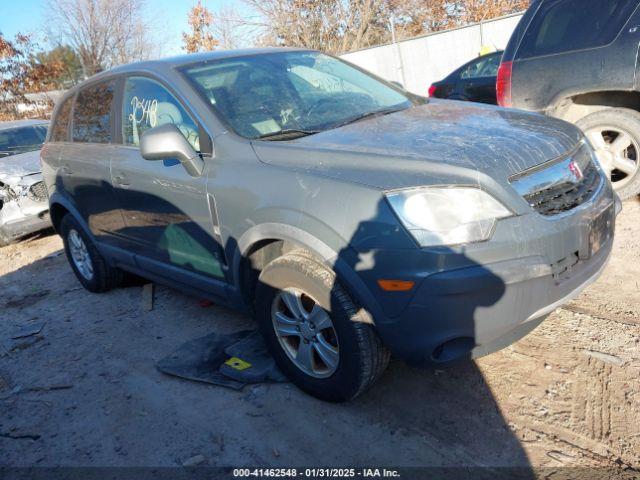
(166, 142)
(397, 84)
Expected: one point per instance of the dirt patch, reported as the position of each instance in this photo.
(80, 390)
(26, 300)
(616, 295)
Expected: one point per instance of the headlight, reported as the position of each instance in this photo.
(448, 215)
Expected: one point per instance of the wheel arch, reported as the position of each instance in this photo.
(264, 243)
(574, 107)
(57, 211)
(59, 206)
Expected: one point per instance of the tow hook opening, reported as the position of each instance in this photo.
(454, 349)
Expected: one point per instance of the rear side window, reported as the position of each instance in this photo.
(92, 113)
(485, 67)
(60, 128)
(566, 25)
(147, 104)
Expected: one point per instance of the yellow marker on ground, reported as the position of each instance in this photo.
(237, 363)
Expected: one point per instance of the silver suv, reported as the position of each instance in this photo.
(23, 196)
(353, 219)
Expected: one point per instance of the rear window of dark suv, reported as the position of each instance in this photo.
(567, 25)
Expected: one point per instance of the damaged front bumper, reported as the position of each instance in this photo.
(474, 300)
(24, 206)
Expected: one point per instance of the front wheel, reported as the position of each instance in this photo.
(314, 331)
(615, 136)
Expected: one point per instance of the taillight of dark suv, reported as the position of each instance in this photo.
(503, 84)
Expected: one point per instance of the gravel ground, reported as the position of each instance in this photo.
(84, 391)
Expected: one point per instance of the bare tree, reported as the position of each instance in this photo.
(21, 73)
(330, 25)
(230, 29)
(200, 38)
(471, 11)
(417, 17)
(365, 24)
(104, 33)
(338, 26)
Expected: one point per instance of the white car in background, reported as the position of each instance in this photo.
(24, 206)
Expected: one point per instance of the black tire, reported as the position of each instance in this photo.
(362, 357)
(627, 120)
(105, 277)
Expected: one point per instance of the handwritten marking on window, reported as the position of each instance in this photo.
(144, 111)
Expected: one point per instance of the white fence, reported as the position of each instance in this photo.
(420, 61)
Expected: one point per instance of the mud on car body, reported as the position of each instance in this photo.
(24, 205)
(353, 220)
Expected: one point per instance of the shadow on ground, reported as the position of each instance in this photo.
(87, 393)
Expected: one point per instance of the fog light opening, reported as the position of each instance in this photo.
(455, 349)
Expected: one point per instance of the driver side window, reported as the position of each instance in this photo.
(147, 104)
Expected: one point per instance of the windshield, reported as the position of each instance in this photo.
(22, 139)
(290, 92)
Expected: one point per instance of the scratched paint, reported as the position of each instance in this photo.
(428, 142)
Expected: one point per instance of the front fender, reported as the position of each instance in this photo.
(336, 260)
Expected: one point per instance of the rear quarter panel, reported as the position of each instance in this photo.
(50, 161)
(541, 83)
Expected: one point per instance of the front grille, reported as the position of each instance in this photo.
(38, 192)
(566, 196)
(562, 184)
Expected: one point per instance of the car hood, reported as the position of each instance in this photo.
(21, 165)
(428, 143)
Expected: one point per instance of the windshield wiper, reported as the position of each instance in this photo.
(287, 134)
(374, 113)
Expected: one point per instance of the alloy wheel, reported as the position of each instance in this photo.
(305, 332)
(617, 152)
(80, 254)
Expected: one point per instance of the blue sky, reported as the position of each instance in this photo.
(28, 16)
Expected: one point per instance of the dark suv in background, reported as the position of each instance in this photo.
(577, 60)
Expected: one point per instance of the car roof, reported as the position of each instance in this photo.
(181, 60)
(21, 123)
(500, 52)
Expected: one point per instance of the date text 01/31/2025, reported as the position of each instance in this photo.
(315, 473)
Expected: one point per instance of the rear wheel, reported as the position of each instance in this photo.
(314, 331)
(615, 135)
(91, 269)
